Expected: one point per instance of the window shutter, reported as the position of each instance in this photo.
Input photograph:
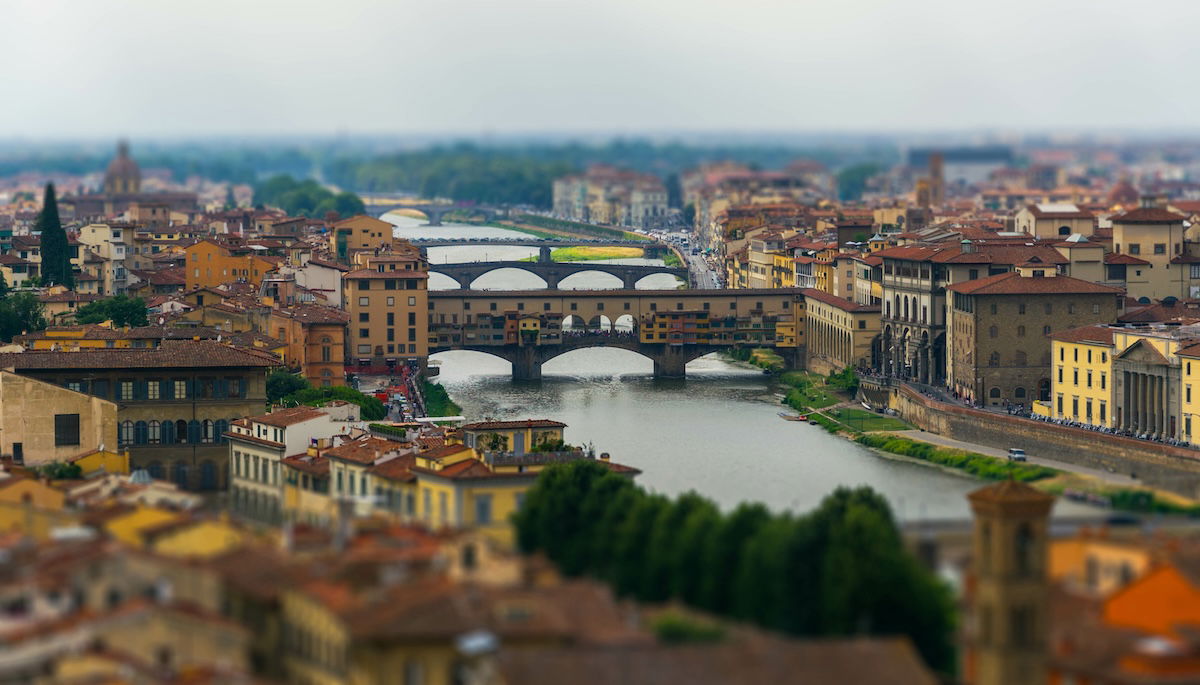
(168, 431)
(164, 390)
(191, 388)
(141, 430)
(221, 388)
(193, 429)
(139, 390)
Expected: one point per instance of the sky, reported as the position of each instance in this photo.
(169, 68)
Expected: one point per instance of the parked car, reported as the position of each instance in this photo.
(1016, 454)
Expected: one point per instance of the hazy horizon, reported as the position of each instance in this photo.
(151, 70)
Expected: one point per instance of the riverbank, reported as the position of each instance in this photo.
(589, 254)
(437, 400)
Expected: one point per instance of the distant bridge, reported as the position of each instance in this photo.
(671, 327)
(553, 272)
(379, 204)
(651, 249)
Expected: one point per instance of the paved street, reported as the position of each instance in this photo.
(1114, 478)
(702, 275)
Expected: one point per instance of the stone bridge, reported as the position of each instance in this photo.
(670, 361)
(553, 272)
(651, 249)
(379, 204)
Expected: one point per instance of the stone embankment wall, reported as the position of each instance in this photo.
(1175, 469)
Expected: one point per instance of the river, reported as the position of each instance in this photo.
(717, 432)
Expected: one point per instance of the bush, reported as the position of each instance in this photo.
(981, 465)
(372, 408)
(676, 629)
(437, 400)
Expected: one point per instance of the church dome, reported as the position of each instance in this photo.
(1124, 194)
(123, 176)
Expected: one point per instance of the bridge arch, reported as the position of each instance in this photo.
(611, 281)
(659, 281)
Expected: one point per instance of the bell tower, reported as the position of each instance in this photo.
(1008, 592)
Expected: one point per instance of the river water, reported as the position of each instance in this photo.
(717, 432)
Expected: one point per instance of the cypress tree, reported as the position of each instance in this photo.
(56, 255)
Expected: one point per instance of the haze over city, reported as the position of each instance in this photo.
(627, 67)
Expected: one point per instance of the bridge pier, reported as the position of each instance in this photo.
(670, 363)
(465, 281)
(551, 280)
(435, 218)
(544, 256)
(629, 281)
(527, 364)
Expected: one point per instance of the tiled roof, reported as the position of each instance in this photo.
(316, 466)
(1115, 258)
(363, 451)
(1086, 334)
(839, 302)
(171, 354)
(1013, 283)
(396, 468)
(313, 313)
(1148, 215)
(282, 418)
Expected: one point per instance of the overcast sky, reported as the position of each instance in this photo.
(166, 67)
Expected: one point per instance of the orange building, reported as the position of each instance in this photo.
(316, 341)
(210, 264)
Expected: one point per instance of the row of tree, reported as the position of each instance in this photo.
(841, 569)
(289, 389)
(305, 198)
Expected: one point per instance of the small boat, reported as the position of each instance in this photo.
(813, 423)
(792, 417)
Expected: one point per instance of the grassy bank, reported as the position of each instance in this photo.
(864, 421)
(808, 391)
(672, 260)
(587, 254)
(575, 228)
(760, 357)
(980, 465)
(437, 400)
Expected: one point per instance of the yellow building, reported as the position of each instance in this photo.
(783, 271)
(359, 233)
(32, 507)
(839, 332)
(1189, 402)
(1081, 380)
(512, 436)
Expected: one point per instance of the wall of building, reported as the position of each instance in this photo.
(27, 413)
(1162, 466)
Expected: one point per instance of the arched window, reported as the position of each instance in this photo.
(208, 434)
(181, 431)
(906, 308)
(154, 432)
(1019, 358)
(1020, 331)
(222, 427)
(1019, 393)
(125, 436)
(993, 332)
(994, 393)
(155, 469)
(140, 433)
(195, 432)
(1064, 230)
(994, 359)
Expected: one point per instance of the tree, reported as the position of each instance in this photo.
(230, 200)
(372, 408)
(56, 254)
(281, 383)
(122, 310)
(3, 286)
(20, 313)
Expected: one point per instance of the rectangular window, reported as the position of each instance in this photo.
(1135, 248)
(1089, 378)
(412, 301)
(364, 301)
(1074, 407)
(483, 509)
(66, 429)
(125, 389)
(364, 332)
(391, 302)
(153, 388)
(1160, 248)
(180, 389)
(1103, 378)
(1103, 407)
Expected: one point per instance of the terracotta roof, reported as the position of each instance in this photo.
(316, 466)
(397, 468)
(171, 354)
(1013, 283)
(1192, 350)
(1086, 334)
(282, 418)
(1148, 215)
(1115, 258)
(511, 425)
(313, 313)
(761, 660)
(839, 302)
(328, 264)
(362, 451)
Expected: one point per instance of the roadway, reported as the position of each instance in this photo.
(702, 274)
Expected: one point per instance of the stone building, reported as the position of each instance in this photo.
(998, 325)
(840, 333)
(174, 402)
(45, 422)
(1009, 594)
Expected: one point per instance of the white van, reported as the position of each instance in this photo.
(1016, 454)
